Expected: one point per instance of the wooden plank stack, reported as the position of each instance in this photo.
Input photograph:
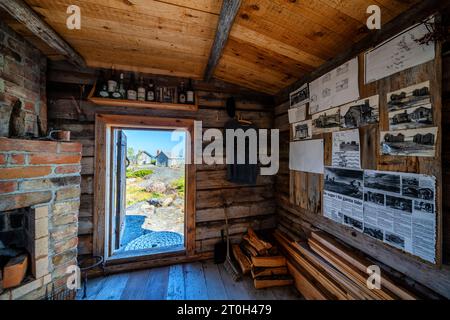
(325, 269)
(262, 261)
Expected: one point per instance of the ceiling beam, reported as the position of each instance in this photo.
(228, 13)
(20, 11)
(416, 14)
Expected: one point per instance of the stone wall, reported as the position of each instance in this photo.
(22, 79)
(46, 176)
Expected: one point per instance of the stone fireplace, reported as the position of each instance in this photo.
(39, 204)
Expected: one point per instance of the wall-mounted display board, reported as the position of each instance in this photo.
(398, 53)
(396, 208)
(335, 88)
(301, 202)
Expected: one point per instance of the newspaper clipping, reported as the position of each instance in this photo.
(396, 208)
(343, 196)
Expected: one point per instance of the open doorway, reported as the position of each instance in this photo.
(149, 190)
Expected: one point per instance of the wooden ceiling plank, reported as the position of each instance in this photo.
(130, 8)
(209, 6)
(24, 14)
(142, 69)
(258, 39)
(261, 56)
(263, 72)
(282, 15)
(165, 31)
(155, 62)
(105, 38)
(228, 13)
(226, 73)
(321, 13)
(274, 22)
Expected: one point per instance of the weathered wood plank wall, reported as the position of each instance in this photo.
(252, 205)
(299, 194)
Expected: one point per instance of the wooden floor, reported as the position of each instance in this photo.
(192, 281)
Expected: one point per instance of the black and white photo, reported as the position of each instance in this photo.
(374, 232)
(302, 130)
(375, 198)
(394, 240)
(299, 97)
(414, 142)
(346, 182)
(389, 182)
(360, 113)
(397, 203)
(327, 121)
(424, 207)
(356, 224)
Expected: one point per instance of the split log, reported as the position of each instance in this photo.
(248, 249)
(267, 272)
(14, 272)
(259, 245)
(269, 262)
(241, 259)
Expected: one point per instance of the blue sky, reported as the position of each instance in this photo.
(152, 140)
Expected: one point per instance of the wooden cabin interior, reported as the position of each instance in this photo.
(97, 202)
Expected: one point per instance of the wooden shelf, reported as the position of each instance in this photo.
(142, 104)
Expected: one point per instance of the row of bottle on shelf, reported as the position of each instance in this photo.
(114, 87)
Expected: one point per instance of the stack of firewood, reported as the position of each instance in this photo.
(262, 260)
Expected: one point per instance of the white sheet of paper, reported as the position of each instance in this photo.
(397, 54)
(335, 88)
(307, 156)
(297, 114)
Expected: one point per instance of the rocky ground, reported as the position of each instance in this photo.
(157, 211)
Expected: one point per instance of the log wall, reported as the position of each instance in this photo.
(299, 194)
(252, 205)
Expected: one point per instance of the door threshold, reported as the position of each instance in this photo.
(146, 254)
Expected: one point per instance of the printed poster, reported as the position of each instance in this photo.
(346, 149)
(335, 88)
(397, 54)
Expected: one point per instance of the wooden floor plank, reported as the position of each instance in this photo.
(136, 285)
(93, 288)
(199, 281)
(156, 288)
(214, 284)
(195, 285)
(113, 287)
(254, 294)
(175, 286)
(235, 290)
(286, 293)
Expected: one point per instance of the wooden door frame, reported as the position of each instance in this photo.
(104, 124)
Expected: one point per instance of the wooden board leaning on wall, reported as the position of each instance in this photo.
(305, 189)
